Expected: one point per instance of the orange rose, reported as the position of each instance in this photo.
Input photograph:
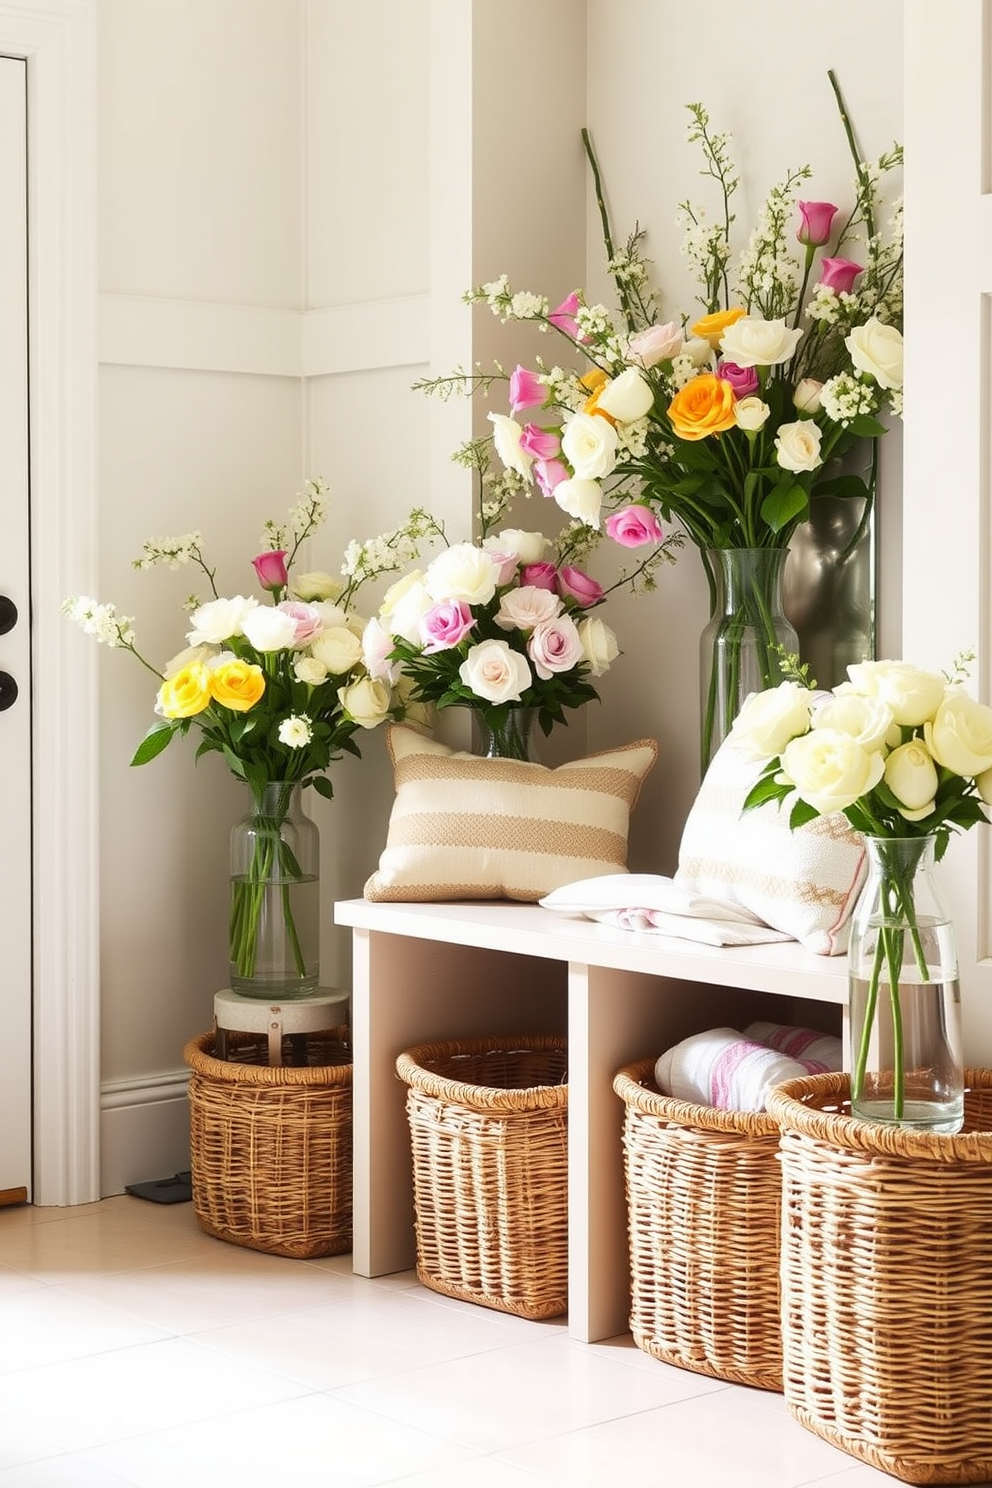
(593, 380)
(237, 685)
(704, 406)
(712, 327)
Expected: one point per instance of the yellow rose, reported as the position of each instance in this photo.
(185, 693)
(237, 685)
(712, 327)
(704, 406)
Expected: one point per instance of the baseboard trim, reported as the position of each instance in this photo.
(144, 1130)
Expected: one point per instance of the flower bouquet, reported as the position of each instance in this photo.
(731, 422)
(906, 756)
(279, 690)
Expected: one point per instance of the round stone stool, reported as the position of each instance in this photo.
(293, 1019)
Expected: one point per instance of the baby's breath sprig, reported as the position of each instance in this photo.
(387, 553)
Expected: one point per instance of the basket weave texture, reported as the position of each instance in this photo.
(488, 1130)
(271, 1146)
(887, 1282)
(703, 1207)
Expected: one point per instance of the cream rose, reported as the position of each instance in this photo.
(960, 736)
(599, 644)
(627, 397)
(830, 770)
(752, 342)
(876, 349)
(315, 586)
(768, 720)
(911, 776)
(507, 434)
(523, 608)
(310, 671)
(339, 649)
(866, 719)
(529, 547)
(807, 395)
(797, 446)
(589, 444)
(366, 701)
(219, 620)
(403, 605)
(912, 695)
(463, 572)
(751, 414)
(581, 499)
(206, 654)
(494, 671)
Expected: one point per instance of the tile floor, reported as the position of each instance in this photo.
(134, 1349)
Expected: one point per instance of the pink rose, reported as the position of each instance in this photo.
(306, 618)
(577, 586)
(839, 274)
(505, 560)
(744, 380)
(548, 474)
(655, 344)
(445, 624)
(540, 576)
(555, 646)
(814, 224)
(633, 527)
(526, 390)
(271, 570)
(563, 319)
(543, 444)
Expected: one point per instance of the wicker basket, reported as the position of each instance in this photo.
(270, 1147)
(887, 1282)
(488, 1127)
(703, 1206)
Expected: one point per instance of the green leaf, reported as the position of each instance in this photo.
(323, 787)
(802, 812)
(783, 504)
(158, 737)
(863, 426)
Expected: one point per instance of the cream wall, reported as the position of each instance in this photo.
(293, 195)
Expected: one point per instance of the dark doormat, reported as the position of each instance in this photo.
(175, 1190)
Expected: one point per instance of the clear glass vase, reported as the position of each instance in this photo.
(274, 930)
(905, 998)
(506, 732)
(739, 647)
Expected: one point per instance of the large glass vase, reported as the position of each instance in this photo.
(905, 999)
(274, 930)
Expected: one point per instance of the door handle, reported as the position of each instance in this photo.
(8, 691)
(8, 614)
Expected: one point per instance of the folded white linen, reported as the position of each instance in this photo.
(820, 1052)
(723, 1068)
(688, 927)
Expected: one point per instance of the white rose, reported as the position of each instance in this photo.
(797, 446)
(366, 701)
(463, 572)
(315, 586)
(960, 737)
(269, 628)
(752, 342)
(866, 719)
(627, 397)
(529, 547)
(589, 444)
(330, 614)
(768, 720)
(494, 671)
(807, 395)
(309, 670)
(523, 608)
(912, 695)
(219, 620)
(698, 350)
(403, 605)
(507, 434)
(911, 776)
(581, 499)
(876, 348)
(751, 414)
(338, 648)
(830, 770)
(599, 644)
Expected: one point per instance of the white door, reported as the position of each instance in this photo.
(947, 496)
(15, 656)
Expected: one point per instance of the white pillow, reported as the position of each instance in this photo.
(804, 883)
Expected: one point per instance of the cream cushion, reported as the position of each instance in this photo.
(465, 827)
(803, 882)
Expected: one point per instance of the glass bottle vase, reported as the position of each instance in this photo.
(739, 647)
(905, 998)
(274, 928)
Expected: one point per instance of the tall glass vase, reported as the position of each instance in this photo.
(739, 647)
(905, 999)
(506, 732)
(274, 931)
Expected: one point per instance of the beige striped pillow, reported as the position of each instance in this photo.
(465, 827)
